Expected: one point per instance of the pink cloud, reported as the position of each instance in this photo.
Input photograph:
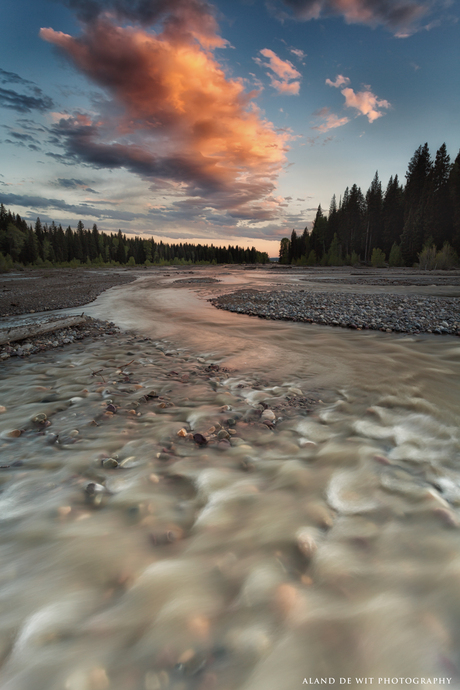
(339, 81)
(366, 103)
(330, 120)
(288, 77)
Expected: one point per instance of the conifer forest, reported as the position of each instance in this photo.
(416, 223)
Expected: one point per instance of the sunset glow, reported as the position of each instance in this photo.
(225, 122)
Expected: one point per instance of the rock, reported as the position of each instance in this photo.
(109, 463)
(268, 416)
(15, 433)
(169, 536)
(182, 433)
(306, 542)
(200, 439)
(164, 457)
(40, 419)
(2, 409)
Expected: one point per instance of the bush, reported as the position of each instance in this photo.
(427, 258)
(311, 261)
(354, 259)
(396, 258)
(377, 258)
(447, 257)
(5, 263)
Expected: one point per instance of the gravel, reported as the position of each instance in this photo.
(383, 312)
(58, 288)
(57, 339)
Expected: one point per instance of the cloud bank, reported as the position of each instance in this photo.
(173, 115)
(35, 99)
(401, 17)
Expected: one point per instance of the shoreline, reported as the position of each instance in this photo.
(42, 290)
(390, 313)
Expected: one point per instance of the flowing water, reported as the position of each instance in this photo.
(324, 550)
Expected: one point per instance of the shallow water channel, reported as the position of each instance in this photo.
(315, 535)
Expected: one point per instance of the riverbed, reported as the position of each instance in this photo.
(209, 500)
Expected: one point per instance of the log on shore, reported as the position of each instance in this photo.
(30, 330)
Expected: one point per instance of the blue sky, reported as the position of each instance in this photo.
(222, 122)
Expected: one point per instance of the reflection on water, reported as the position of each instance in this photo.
(327, 547)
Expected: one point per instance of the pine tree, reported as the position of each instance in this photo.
(415, 200)
(393, 214)
(374, 217)
(454, 194)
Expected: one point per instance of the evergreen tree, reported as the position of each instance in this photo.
(284, 251)
(393, 214)
(438, 215)
(318, 234)
(454, 194)
(374, 217)
(415, 200)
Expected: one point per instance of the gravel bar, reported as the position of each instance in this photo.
(41, 290)
(382, 312)
(92, 328)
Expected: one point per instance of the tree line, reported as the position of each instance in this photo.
(418, 222)
(50, 245)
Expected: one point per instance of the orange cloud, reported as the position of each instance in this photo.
(287, 82)
(174, 113)
(366, 103)
(330, 120)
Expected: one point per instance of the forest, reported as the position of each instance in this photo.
(46, 246)
(413, 224)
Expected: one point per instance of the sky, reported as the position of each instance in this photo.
(217, 122)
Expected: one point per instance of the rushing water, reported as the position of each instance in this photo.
(325, 548)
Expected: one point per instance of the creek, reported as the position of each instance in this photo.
(318, 542)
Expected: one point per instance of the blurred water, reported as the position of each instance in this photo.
(327, 548)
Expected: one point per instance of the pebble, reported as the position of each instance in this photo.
(306, 542)
(2, 409)
(268, 415)
(200, 439)
(109, 463)
(383, 312)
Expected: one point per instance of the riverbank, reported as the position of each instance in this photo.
(383, 312)
(42, 290)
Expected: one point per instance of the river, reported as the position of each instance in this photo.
(321, 547)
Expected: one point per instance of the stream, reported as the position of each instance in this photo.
(212, 501)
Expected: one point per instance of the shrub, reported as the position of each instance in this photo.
(427, 258)
(311, 261)
(396, 258)
(377, 258)
(447, 257)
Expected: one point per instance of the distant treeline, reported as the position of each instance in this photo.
(50, 245)
(403, 225)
